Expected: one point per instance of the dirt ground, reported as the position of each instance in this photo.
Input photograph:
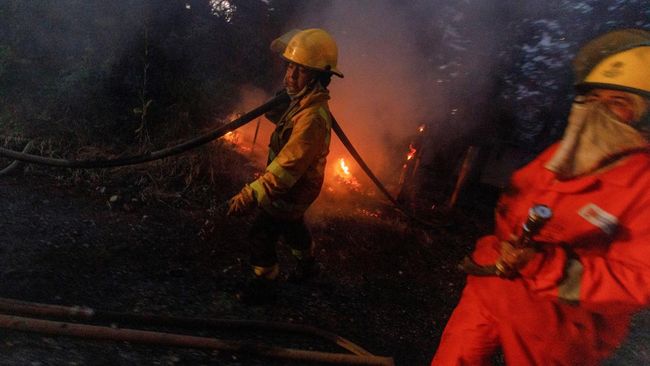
(388, 285)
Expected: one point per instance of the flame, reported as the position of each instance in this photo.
(412, 152)
(344, 167)
(344, 176)
(232, 137)
(422, 128)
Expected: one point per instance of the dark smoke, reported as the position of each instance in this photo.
(477, 72)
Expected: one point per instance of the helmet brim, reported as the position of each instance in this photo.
(279, 44)
(330, 71)
(583, 88)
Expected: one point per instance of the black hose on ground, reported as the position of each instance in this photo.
(16, 163)
(155, 155)
(281, 98)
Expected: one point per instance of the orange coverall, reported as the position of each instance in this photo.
(573, 301)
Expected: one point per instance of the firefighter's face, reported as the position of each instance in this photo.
(620, 103)
(297, 77)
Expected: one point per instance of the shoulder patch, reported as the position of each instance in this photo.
(599, 217)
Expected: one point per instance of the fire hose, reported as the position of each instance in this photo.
(154, 155)
(16, 163)
(13, 312)
(357, 157)
(203, 139)
(361, 356)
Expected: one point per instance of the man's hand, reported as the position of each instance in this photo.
(513, 259)
(242, 203)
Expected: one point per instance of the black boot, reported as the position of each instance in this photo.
(258, 291)
(306, 269)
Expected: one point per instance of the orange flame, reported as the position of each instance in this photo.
(412, 152)
(344, 167)
(231, 137)
(343, 175)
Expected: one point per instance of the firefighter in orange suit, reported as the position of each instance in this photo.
(296, 163)
(567, 298)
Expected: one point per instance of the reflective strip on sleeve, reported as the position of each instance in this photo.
(269, 273)
(302, 254)
(282, 174)
(259, 192)
(569, 288)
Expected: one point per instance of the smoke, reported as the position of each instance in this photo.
(253, 137)
(405, 64)
(385, 94)
(464, 68)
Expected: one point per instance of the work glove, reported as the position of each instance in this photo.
(242, 203)
(513, 259)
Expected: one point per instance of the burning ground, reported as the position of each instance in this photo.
(387, 284)
(108, 243)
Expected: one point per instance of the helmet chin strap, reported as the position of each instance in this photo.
(299, 94)
(643, 124)
(304, 90)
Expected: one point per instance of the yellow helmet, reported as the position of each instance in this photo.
(619, 59)
(313, 48)
(628, 70)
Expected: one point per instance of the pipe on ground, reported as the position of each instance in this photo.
(179, 340)
(26, 308)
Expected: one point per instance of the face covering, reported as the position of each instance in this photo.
(594, 136)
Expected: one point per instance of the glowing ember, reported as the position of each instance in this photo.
(412, 152)
(344, 176)
(232, 137)
(369, 213)
(344, 167)
(422, 128)
(236, 141)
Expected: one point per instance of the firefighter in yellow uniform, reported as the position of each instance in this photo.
(296, 163)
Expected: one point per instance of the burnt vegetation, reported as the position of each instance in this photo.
(88, 79)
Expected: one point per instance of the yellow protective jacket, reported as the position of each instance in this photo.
(297, 154)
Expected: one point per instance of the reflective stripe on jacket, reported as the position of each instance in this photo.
(297, 156)
(593, 270)
(596, 247)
